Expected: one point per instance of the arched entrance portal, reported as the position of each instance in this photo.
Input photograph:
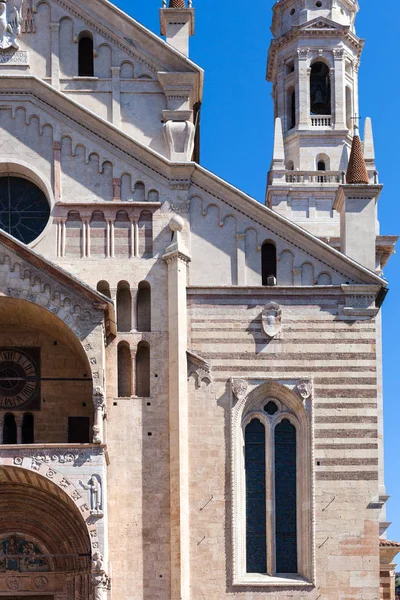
(45, 548)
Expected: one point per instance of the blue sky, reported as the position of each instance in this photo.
(231, 45)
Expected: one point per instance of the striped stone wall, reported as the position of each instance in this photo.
(316, 342)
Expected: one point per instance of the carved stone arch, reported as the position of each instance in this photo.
(85, 327)
(43, 476)
(297, 407)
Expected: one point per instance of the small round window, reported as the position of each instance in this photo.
(292, 12)
(24, 209)
(318, 4)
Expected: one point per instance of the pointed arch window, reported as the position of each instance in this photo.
(272, 485)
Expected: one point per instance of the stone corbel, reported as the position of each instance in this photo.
(360, 301)
(179, 129)
(199, 368)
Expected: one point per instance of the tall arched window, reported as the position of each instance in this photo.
(143, 370)
(124, 307)
(256, 533)
(320, 89)
(268, 263)
(28, 429)
(124, 371)
(272, 493)
(9, 429)
(285, 498)
(85, 56)
(143, 307)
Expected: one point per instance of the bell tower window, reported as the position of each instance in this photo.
(320, 89)
(85, 56)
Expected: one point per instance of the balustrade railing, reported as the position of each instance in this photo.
(315, 177)
(321, 121)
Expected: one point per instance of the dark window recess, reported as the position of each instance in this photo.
(271, 408)
(293, 110)
(256, 542)
(9, 430)
(268, 262)
(85, 53)
(321, 165)
(78, 430)
(143, 370)
(320, 89)
(28, 429)
(285, 498)
(143, 309)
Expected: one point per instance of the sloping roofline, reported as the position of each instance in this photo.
(133, 36)
(58, 103)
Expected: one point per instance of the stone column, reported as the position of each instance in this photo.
(339, 104)
(303, 88)
(18, 421)
(177, 258)
(57, 170)
(116, 96)
(99, 403)
(55, 55)
(99, 585)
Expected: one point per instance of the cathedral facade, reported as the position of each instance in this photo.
(190, 380)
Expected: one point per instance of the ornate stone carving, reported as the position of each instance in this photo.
(59, 457)
(41, 582)
(271, 319)
(13, 583)
(99, 397)
(199, 368)
(94, 486)
(304, 388)
(239, 388)
(10, 24)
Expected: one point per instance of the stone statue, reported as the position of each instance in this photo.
(95, 489)
(10, 24)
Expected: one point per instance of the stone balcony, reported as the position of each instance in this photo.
(315, 177)
(321, 121)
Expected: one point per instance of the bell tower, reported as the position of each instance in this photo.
(313, 65)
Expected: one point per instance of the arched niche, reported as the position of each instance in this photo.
(142, 378)
(85, 55)
(124, 307)
(320, 89)
(143, 307)
(124, 360)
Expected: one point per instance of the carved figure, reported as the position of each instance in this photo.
(97, 563)
(239, 388)
(94, 486)
(271, 319)
(10, 24)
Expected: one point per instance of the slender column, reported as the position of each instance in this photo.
(112, 240)
(88, 237)
(99, 403)
(55, 55)
(108, 242)
(84, 247)
(116, 96)
(18, 422)
(57, 170)
(136, 238)
(241, 259)
(303, 87)
(58, 241)
(116, 183)
(132, 248)
(177, 258)
(63, 236)
(337, 74)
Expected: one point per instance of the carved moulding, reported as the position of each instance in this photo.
(360, 301)
(199, 368)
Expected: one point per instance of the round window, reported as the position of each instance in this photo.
(24, 209)
(292, 12)
(318, 4)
